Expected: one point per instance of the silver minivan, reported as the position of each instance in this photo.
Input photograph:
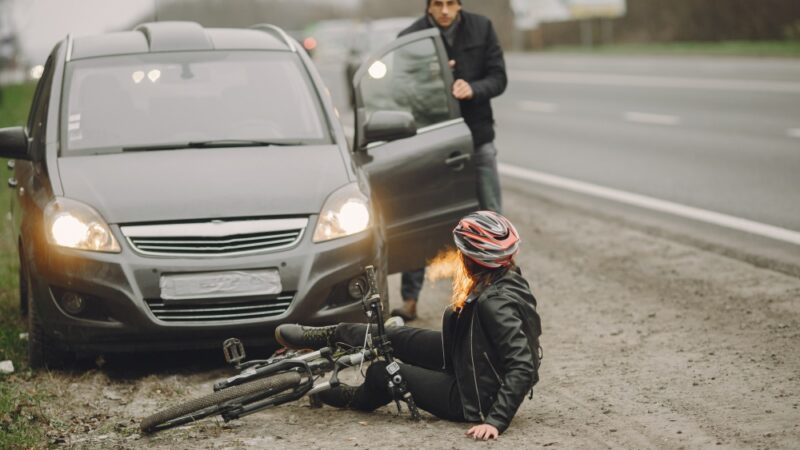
(177, 185)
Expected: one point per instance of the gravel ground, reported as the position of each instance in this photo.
(649, 343)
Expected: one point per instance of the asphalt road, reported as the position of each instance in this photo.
(719, 134)
(704, 147)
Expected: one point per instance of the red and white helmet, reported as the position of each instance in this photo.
(487, 238)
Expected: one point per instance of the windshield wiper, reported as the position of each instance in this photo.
(239, 143)
(220, 143)
(147, 148)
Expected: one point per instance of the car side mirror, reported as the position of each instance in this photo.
(14, 143)
(389, 126)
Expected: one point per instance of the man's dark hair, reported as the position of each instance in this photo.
(428, 3)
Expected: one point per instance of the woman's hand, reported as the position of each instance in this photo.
(483, 431)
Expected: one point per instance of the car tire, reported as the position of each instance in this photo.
(383, 281)
(23, 287)
(382, 274)
(41, 351)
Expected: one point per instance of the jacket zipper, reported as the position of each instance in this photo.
(496, 375)
(474, 373)
(444, 356)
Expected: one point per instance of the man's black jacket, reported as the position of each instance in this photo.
(479, 62)
(492, 348)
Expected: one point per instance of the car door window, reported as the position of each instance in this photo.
(411, 79)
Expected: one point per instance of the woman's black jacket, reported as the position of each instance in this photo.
(492, 348)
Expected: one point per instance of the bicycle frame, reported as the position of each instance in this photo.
(310, 366)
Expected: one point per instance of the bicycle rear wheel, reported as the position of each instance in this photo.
(215, 403)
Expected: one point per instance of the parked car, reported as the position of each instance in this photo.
(177, 185)
(331, 40)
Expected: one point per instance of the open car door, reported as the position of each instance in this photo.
(423, 179)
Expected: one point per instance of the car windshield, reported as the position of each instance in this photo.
(168, 99)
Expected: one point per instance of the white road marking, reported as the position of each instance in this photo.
(539, 107)
(609, 79)
(793, 132)
(651, 119)
(654, 204)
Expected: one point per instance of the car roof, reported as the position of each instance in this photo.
(179, 36)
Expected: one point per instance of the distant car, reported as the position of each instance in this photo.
(177, 185)
(331, 40)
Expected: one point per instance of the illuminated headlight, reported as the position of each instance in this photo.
(344, 213)
(72, 224)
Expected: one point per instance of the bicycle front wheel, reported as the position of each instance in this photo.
(216, 403)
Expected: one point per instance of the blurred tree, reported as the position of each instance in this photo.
(498, 10)
(692, 20)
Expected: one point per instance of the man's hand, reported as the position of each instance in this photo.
(462, 90)
(483, 431)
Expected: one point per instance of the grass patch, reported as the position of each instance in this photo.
(15, 102)
(21, 422)
(14, 107)
(786, 49)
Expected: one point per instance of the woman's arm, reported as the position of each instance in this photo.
(503, 325)
(483, 431)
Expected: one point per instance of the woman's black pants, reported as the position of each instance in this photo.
(434, 390)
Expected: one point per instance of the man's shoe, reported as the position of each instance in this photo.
(408, 311)
(302, 337)
(340, 396)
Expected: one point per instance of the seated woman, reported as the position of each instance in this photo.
(486, 358)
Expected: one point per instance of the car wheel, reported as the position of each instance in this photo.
(383, 282)
(383, 268)
(41, 351)
(23, 288)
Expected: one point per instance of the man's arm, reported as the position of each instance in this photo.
(496, 80)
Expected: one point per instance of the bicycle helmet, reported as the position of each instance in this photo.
(487, 238)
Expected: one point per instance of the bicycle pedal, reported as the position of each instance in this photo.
(233, 350)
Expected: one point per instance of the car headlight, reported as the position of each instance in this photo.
(344, 213)
(72, 224)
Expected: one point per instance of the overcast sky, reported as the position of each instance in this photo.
(42, 23)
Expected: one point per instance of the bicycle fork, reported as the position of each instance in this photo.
(399, 388)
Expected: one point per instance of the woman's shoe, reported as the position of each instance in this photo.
(339, 397)
(299, 337)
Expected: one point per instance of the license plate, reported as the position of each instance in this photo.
(241, 283)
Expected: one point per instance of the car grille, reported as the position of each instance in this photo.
(217, 312)
(215, 238)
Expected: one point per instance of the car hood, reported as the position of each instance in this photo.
(172, 185)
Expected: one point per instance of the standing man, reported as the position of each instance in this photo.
(480, 73)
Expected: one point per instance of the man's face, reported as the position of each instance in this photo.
(444, 12)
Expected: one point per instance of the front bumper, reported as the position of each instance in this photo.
(123, 286)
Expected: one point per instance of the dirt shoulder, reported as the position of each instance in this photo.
(649, 343)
